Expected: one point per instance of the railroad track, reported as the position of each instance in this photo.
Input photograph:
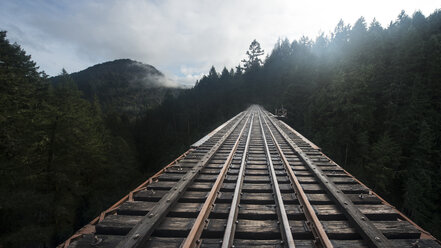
(254, 181)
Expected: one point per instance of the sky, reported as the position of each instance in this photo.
(181, 38)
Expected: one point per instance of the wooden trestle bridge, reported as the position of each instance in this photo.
(254, 181)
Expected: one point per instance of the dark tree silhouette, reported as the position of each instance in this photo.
(253, 53)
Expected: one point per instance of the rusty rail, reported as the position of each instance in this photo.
(140, 234)
(234, 210)
(373, 236)
(321, 238)
(424, 234)
(90, 227)
(192, 239)
(286, 229)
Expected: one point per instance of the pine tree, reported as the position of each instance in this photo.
(253, 53)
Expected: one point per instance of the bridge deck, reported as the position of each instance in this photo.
(254, 181)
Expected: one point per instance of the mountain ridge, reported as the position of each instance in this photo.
(123, 85)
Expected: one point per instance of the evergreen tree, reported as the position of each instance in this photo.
(253, 53)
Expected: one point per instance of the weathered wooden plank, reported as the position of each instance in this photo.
(373, 212)
(213, 166)
(302, 173)
(345, 188)
(193, 196)
(96, 241)
(369, 232)
(200, 186)
(174, 227)
(294, 212)
(299, 168)
(196, 231)
(161, 185)
(336, 180)
(167, 242)
(169, 177)
(256, 188)
(256, 167)
(257, 179)
(335, 174)
(185, 210)
(417, 243)
(210, 171)
(398, 229)
(239, 243)
(300, 229)
(246, 229)
(218, 161)
(209, 178)
(250, 172)
(307, 180)
(402, 243)
(219, 156)
(349, 243)
(211, 243)
(135, 208)
(117, 224)
(257, 229)
(391, 229)
(330, 168)
(149, 195)
(343, 180)
(139, 235)
(184, 164)
(261, 162)
(257, 198)
(357, 199)
(177, 170)
(259, 156)
(221, 210)
(270, 243)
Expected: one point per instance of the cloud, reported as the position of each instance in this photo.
(150, 76)
(181, 38)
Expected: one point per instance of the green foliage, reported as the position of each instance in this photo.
(253, 53)
(57, 156)
(122, 86)
(384, 165)
(369, 96)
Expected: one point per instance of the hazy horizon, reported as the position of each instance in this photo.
(183, 40)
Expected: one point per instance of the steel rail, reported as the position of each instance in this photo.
(90, 228)
(209, 135)
(234, 210)
(193, 238)
(371, 234)
(316, 227)
(286, 230)
(140, 234)
(424, 233)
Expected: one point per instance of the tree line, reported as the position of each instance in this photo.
(369, 96)
(60, 164)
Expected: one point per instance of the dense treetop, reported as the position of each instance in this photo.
(369, 96)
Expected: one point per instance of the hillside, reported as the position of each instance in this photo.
(369, 96)
(123, 85)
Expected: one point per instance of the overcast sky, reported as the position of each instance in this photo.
(181, 38)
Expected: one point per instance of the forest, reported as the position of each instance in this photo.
(369, 96)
